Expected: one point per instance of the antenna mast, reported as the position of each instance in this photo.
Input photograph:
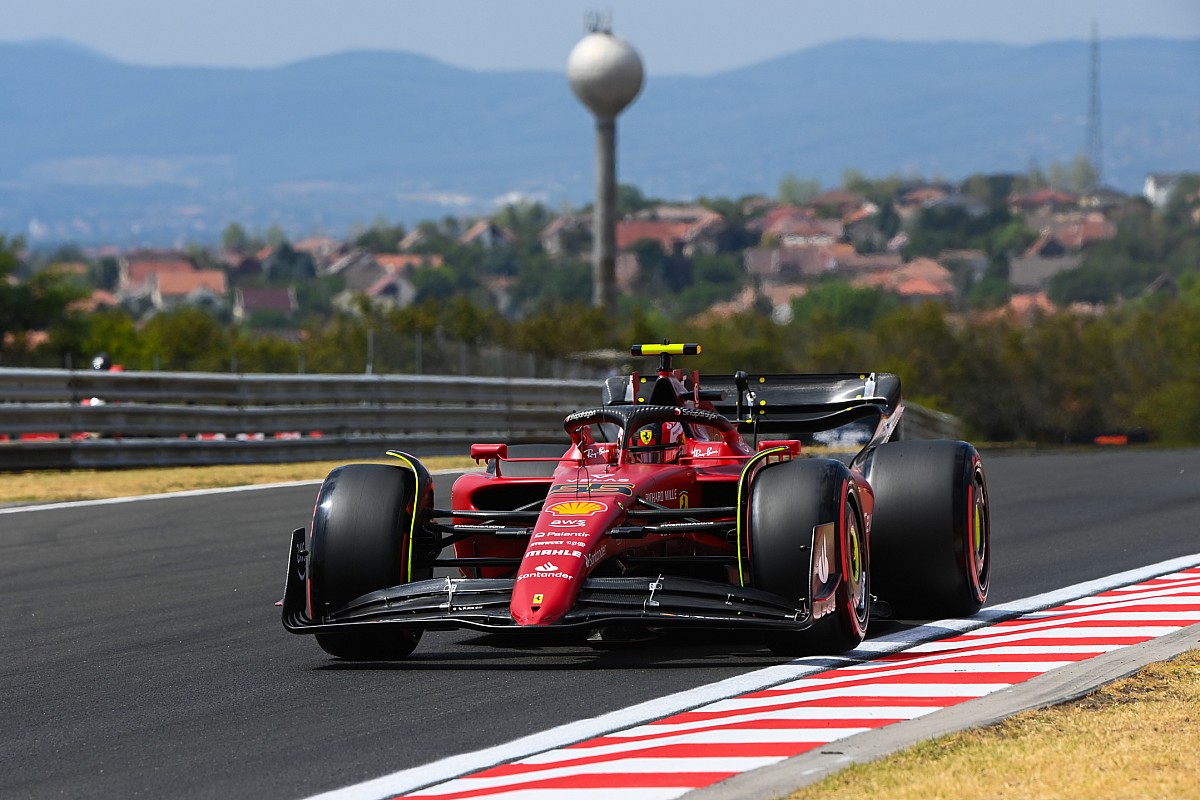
(1095, 149)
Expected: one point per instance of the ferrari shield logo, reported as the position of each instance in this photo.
(646, 436)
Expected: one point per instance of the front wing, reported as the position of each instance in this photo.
(483, 604)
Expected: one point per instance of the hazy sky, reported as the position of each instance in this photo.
(692, 37)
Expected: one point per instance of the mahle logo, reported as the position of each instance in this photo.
(578, 508)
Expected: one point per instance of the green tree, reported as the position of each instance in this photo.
(797, 191)
(41, 303)
(1083, 174)
(715, 278)
(188, 338)
(114, 331)
(918, 344)
(881, 192)
(380, 237)
(287, 265)
(1184, 201)
(630, 200)
(235, 239)
(526, 222)
(434, 283)
(542, 284)
(104, 273)
(833, 306)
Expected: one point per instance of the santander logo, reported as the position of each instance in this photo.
(549, 566)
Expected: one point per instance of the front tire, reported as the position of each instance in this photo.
(931, 535)
(360, 542)
(797, 506)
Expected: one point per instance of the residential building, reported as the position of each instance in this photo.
(202, 287)
(251, 300)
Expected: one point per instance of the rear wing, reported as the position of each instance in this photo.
(809, 403)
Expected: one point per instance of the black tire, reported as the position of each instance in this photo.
(787, 502)
(530, 469)
(359, 544)
(931, 533)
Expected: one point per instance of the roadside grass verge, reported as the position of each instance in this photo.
(62, 486)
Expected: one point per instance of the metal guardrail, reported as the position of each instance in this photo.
(919, 422)
(176, 419)
(158, 418)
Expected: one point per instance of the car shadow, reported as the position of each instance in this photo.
(556, 652)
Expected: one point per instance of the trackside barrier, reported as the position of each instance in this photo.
(182, 419)
(919, 422)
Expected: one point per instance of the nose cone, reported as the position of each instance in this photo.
(543, 598)
(566, 543)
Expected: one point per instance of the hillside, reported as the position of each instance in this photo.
(99, 151)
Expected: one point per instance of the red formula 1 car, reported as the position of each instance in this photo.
(672, 505)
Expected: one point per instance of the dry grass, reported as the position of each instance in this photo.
(50, 486)
(1136, 738)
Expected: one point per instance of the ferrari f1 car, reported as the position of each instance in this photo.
(671, 505)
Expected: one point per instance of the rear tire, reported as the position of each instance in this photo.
(788, 501)
(931, 534)
(359, 543)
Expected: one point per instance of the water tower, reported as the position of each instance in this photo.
(606, 75)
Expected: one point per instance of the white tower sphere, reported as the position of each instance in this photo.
(605, 73)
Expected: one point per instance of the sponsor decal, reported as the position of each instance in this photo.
(551, 553)
(646, 436)
(823, 558)
(549, 566)
(702, 452)
(543, 541)
(565, 523)
(592, 559)
(662, 497)
(591, 488)
(537, 599)
(683, 500)
(576, 508)
(525, 575)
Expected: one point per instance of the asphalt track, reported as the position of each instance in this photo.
(142, 654)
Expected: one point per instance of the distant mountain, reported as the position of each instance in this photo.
(94, 150)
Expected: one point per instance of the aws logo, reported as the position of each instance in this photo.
(576, 508)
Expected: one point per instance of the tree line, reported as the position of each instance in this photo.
(1130, 363)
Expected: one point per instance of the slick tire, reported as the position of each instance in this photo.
(788, 503)
(359, 543)
(931, 533)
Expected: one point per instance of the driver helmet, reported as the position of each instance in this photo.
(656, 439)
(102, 362)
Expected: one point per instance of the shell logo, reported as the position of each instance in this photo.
(576, 508)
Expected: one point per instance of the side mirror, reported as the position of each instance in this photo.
(487, 452)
